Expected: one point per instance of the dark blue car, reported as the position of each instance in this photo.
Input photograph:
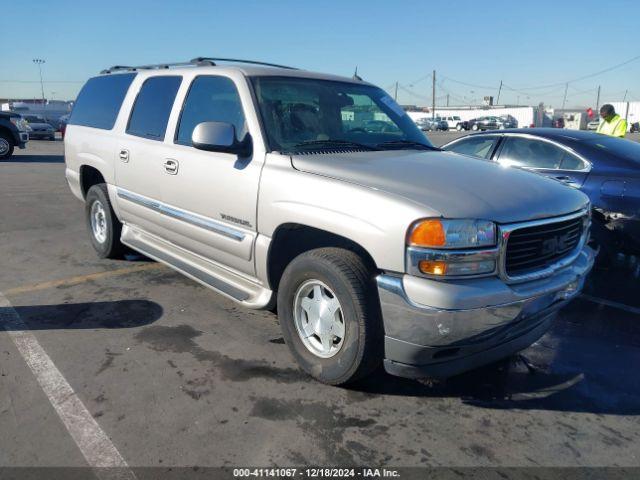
(607, 169)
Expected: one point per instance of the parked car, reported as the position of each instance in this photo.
(430, 124)
(484, 123)
(13, 133)
(452, 121)
(463, 125)
(375, 246)
(507, 121)
(593, 125)
(39, 128)
(607, 169)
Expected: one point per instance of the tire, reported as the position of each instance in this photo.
(358, 346)
(6, 146)
(103, 225)
(474, 127)
(459, 127)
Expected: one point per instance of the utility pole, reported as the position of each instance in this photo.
(499, 90)
(447, 99)
(39, 62)
(433, 95)
(598, 101)
(395, 97)
(564, 99)
(624, 99)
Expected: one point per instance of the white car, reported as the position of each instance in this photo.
(453, 121)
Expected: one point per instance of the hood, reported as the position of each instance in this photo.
(453, 185)
(40, 125)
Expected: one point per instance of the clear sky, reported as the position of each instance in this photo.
(532, 46)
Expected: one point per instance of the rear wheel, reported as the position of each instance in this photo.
(474, 126)
(6, 146)
(330, 316)
(459, 127)
(102, 223)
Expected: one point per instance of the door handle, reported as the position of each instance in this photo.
(567, 181)
(124, 155)
(171, 166)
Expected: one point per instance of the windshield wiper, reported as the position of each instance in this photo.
(399, 144)
(345, 144)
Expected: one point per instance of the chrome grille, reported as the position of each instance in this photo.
(537, 247)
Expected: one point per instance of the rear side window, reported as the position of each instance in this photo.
(475, 146)
(151, 110)
(210, 99)
(100, 100)
(529, 152)
(571, 162)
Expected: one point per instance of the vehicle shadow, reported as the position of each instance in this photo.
(90, 315)
(586, 363)
(34, 159)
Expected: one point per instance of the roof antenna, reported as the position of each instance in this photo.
(356, 76)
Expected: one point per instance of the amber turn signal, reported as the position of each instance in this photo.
(433, 267)
(428, 233)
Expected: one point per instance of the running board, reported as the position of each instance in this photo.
(221, 280)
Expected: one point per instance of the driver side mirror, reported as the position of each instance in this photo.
(220, 137)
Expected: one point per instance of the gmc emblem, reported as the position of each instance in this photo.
(555, 244)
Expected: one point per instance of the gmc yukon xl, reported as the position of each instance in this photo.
(265, 184)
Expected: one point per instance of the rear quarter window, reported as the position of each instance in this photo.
(100, 100)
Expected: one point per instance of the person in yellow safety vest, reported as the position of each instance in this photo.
(611, 123)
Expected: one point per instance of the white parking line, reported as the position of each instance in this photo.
(94, 444)
(609, 303)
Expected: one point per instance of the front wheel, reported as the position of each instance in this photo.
(329, 313)
(102, 223)
(459, 127)
(6, 146)
(474, 127)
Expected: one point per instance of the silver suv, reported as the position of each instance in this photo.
(268, 184)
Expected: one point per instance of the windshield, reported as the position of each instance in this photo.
(33, 119)
(305, 114)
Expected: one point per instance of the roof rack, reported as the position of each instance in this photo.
(195, 62)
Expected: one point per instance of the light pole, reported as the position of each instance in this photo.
(39, 62)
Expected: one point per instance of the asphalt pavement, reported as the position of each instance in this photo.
(169, 373)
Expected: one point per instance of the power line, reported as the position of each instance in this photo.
(412, 93)
(524, 90)
(472, 85)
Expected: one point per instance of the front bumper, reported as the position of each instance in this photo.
(21, 139)
(439, 329)
(42, 134)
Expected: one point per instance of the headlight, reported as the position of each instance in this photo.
(441, 233)
(20, 123)
(452, 248)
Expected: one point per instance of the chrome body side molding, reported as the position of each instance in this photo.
(197, 220)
